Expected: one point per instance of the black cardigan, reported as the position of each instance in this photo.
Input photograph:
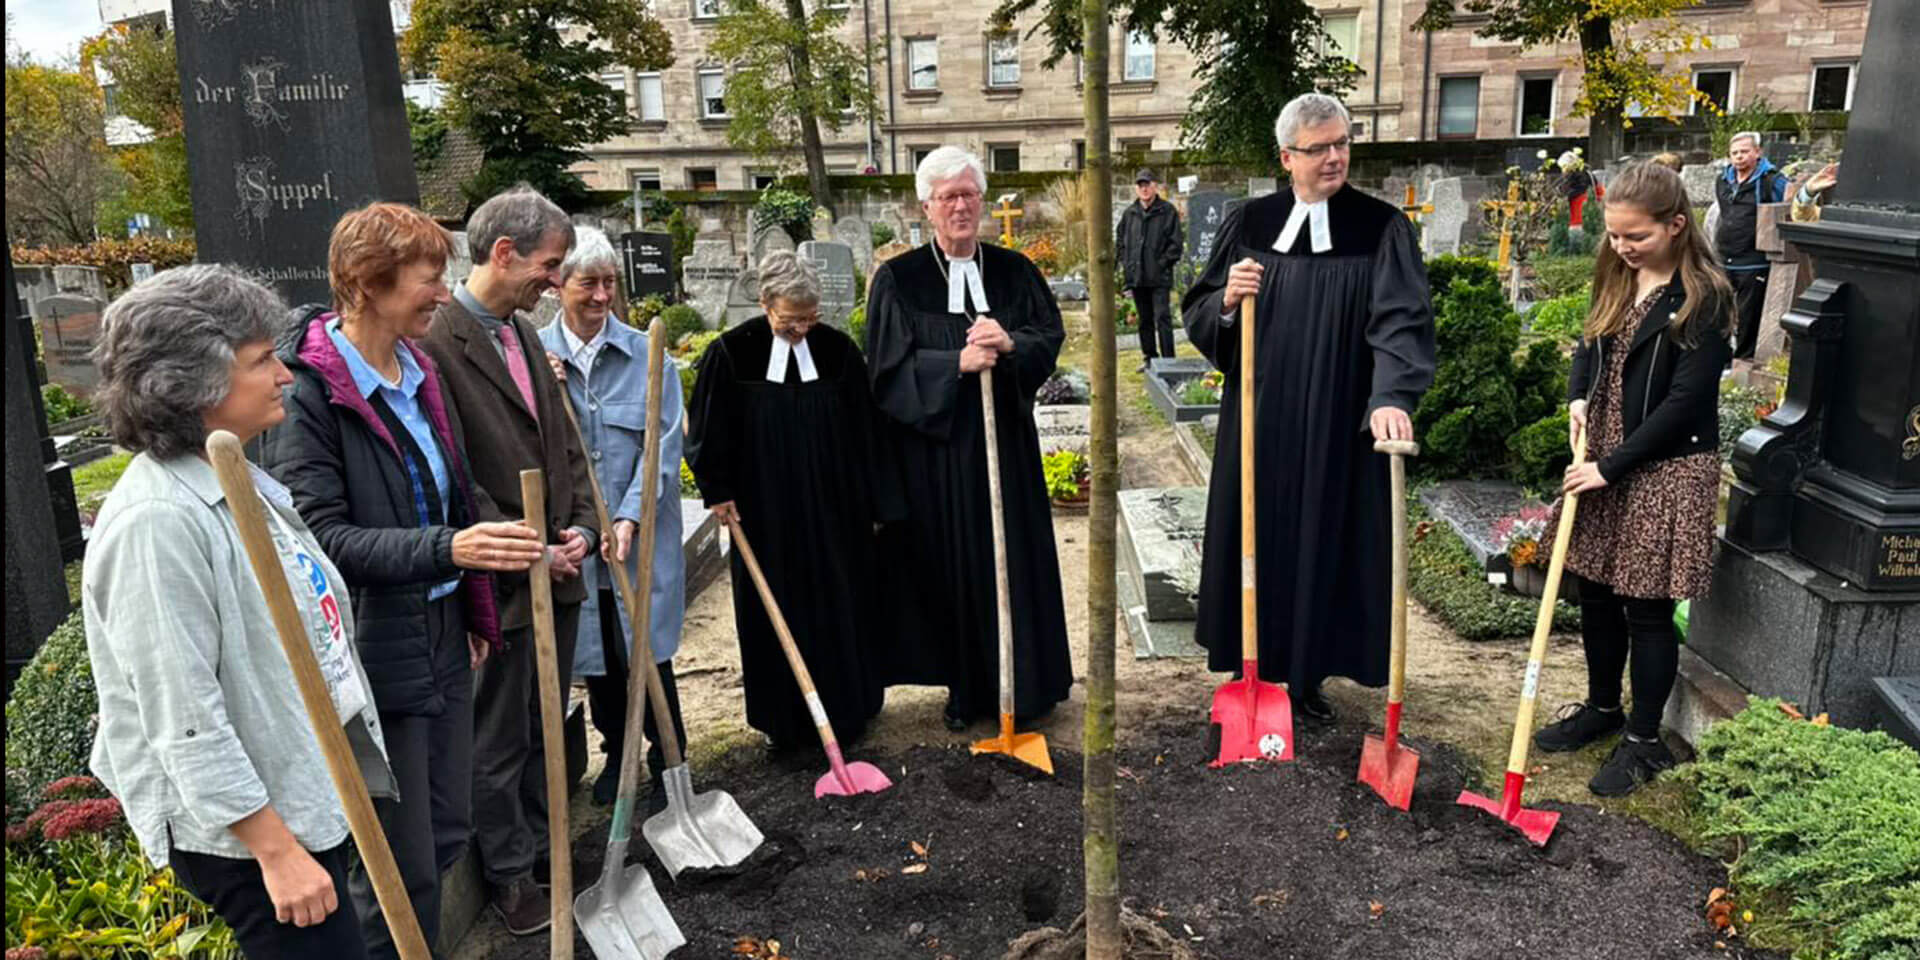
(1671, 388)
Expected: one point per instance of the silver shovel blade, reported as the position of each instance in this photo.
(629, 921)
(698, 829)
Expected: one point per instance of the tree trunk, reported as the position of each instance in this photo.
(1606, 128)
(809, 124)
(1102, 843)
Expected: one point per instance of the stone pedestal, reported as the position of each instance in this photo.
(1780, 627)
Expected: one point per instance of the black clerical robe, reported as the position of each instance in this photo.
(1336, 335)
(797, 458)
(939, 560)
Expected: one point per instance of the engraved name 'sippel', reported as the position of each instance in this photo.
(257, 186)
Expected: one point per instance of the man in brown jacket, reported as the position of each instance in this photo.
(496, 375)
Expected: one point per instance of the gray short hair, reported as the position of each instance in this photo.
(1752, 135)
(591, 251)
(787, 276)
(521, 214)
(945, 164)
(1307, 110)
(166, 351)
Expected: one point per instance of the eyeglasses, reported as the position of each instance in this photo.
(1315, 152)
(795, 319)
(957, 198)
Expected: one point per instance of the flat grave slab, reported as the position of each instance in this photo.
(1166, 376)
(1472, 507)
(1160, 534)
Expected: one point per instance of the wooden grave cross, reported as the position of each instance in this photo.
(1415, 210)
(1005, 214)
(1509, 208)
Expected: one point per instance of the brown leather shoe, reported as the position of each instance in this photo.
(523, 907)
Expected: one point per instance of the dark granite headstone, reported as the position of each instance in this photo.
(649, 264)
(1206, 211)
(1900, 707)
(36, 588)
(834, 261)
(293, 117)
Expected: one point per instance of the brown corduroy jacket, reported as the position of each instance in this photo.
(504, 438)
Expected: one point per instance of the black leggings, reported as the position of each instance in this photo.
(1610, 626)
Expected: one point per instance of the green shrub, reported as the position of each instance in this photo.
(788, 209)
(1064, 471)
(1540, 454)
(1739, 412)
(1443, 575)
(1446, 268)
(1560, 319)
(53, 711)
(1540, 381)
(1465, 418)
(1556, 277)
(61, 405)
(687, 354)
(682, 321)
(857, 326)
(642, 312)
(1821, 818)
(882, 234)
(689, 487)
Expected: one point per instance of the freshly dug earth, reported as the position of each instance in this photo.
(1293, 860)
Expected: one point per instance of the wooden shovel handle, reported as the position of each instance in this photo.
(780, 628)
(533, 497)
(640, 600)
(1543, 623)
(1002, 603)
(1397, 451)
(249, 516)
(1249, 606)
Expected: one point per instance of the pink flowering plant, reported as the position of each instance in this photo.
(1521, 535)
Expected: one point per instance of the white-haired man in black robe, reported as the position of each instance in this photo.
(1343, 349)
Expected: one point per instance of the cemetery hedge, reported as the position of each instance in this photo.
(51, 714)
(1819, 825)
(113, 256)
(1444, 577)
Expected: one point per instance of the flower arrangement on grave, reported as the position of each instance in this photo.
(1065, 386)
(1066, 475)
(1204, 390)
(1519, 536)
(1042, 251)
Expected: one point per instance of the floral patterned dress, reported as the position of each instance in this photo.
(1648, 534)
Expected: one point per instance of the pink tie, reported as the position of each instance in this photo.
(517, 367)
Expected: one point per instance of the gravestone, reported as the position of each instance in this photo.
(1161, 530)
(821, 227)
(1790, 274)
(34, 284)
(858, 236)
(1698, 179)
(36, 590)
(140, 271)
(887, 251)
(1206, 211)
(461, 262)
(84, 281)
(69, 326)
(1068, 289)
(1167, 377)
(1063, 426)
(293, 117)
(1472, 507)
(893, 220)
(916, 234)
(834, 261)
(709, 272)
(648, 262)
(768, 240)
(1262, 186)
(1440, 231)
(743, 298)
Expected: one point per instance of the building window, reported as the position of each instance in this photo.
(713, 93)
(706, 9)
(918, 155)
(703, 178)
(1832, 87)
(1003, 60)
(1459, 106)
(1079, 154)
(652, 105)
(760, 179)
(1139, 62)
(618, 83)
(1343, 35)
(1135, 147)
(923, 63)
(1716, 85)
(1536, 107)
(643, 179)
(1004, 159)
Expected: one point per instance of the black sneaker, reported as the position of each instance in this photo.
(1632, 763)
(1578, 725)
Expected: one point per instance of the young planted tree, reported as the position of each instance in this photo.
(1621, 45)
(1255, 55)
(791, 74)
(523, 78)
(139, 59)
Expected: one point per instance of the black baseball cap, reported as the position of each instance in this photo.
(1145, 175)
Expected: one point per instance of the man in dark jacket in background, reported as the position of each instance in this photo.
(1148, 245)
(498, 381)
(1748, 182)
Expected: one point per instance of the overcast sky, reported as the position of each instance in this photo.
(49, 30)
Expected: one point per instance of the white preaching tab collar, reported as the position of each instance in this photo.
(1314, 214)
(964, 281)
(777, 361)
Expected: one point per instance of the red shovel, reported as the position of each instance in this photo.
(844, 779)
(1385, 765)
(1536, 824)
(1255, 717)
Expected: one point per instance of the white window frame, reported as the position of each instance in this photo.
(659, 98)
(1001, 73)
(707, 9)
(993, 150)
(1440, 106)
(1853, 77)
(1733, 86)
(932, 48)
(700, 76)
(1353, 55)
(772, 177)
(1520, 102)
(636, 174)
(1129, 45)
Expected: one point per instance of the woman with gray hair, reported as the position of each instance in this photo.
(202, 733)
(782, 442)
(602, 363)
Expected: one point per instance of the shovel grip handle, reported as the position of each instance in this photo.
(1543, 623)
(533, 497)
(1002, 603)
(249, 517)
(788, 646)
(1249, 605)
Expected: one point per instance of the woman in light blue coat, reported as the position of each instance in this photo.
(603, 363)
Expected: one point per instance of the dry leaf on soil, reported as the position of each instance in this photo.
(913, 869)
(918, 850)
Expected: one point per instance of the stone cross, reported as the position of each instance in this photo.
(1005, 215)
(1415, 210)
(1509, 208)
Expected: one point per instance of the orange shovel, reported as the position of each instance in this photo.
(1385, 765)
(1536, 824)
(1255, 717)
(1028, 748)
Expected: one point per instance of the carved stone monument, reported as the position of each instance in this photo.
(834, 261)
(709, 272)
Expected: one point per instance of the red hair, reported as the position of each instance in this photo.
(371, 244)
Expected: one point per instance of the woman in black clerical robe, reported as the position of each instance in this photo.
(781, 435)
(939, 561)
(1339, 332)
